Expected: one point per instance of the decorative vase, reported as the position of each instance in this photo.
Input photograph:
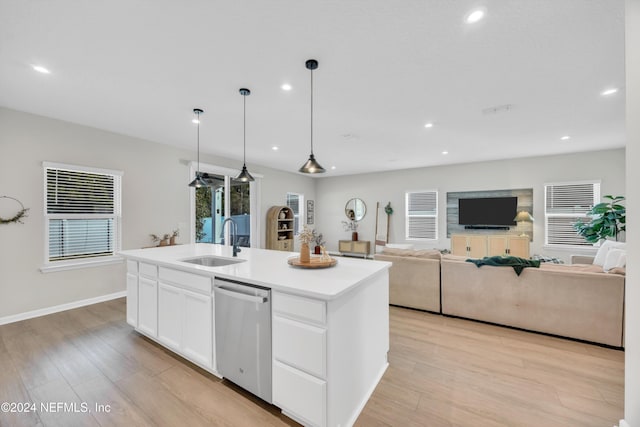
(316, 250)
(164, 242)
(282, 215)
(354, 236)
(304, 253)
(172, 240)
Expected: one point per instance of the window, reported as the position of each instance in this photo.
(82, 214)
(422, 215)
(296, 202)
(566, 203)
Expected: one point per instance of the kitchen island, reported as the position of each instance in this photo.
(330, 327)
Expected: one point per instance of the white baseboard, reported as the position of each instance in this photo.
(623, 423)
(62, 307)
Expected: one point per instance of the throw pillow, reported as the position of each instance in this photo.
(604, 249)
(616, 258)
(399, 246)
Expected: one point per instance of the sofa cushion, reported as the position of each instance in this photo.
(615, 258)
(426, 253)
(603, 250)
(399, 246)
(618, 270)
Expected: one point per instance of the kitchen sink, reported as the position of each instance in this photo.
(212, 261)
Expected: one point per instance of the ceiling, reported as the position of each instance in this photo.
(386, 68)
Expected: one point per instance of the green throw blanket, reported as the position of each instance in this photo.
(517, 263)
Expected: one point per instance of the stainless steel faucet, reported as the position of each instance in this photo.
(234, 233)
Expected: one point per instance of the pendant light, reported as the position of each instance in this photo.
(311, 166)
(198, 182)
(244, 176)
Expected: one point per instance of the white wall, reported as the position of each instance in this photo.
(155, 199)
(534, 172)
(632, 298)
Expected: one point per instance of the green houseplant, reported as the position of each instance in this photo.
(608, 219)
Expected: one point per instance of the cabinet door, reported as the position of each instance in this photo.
(301, 394)
(361, 247)
(197, 337)
(170, 316)
(519, 246)
(148, 306)
(498, 246)
(300, 345)
(459, 245)
(478, 246)
(344, 246)
(132, 300)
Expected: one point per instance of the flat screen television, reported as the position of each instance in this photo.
(488, 211)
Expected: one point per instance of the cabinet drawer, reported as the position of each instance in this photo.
(191, 281)
(132, 266)
(300, 307)
(300, 345)
(148, 270)
(300, 394)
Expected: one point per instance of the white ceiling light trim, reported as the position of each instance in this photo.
(41, 69)
(475, 15)
(609, 92)
(565, 138)
(286, 87)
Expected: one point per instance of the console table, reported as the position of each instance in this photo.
(354, 247)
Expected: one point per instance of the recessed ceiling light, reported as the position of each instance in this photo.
(41, 69)
(445, 153)
(333, 167)
(475, 16)
(195, 121)
(275, 148)
(428, 125)
(286, 86)
(609, 91)
(566, 137)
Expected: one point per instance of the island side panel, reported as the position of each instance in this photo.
(358, 343)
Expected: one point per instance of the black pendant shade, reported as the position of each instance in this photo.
(244, 175)
(198, 182)
(311, 166)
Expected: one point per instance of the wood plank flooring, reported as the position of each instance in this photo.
(443, 372)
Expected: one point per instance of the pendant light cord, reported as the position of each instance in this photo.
(244, 130)
(312, 112)
(198, 171)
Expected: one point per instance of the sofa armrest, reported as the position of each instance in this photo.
(582, 259)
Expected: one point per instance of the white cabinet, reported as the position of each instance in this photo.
(197, 338)
(185, 322)
(300, 357)
(170, 310)
(301, 395)
(132, 299)
(148, 306)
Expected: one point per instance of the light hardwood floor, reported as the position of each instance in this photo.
(443, 372)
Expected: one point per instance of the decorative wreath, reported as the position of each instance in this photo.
(22, 213)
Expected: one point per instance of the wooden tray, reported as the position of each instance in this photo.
(314, 262)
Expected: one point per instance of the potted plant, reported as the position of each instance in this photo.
(318, 239)
(608, 219)
(172, 239)
(352, 226)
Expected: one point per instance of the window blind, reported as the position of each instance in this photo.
(422, 215)
(294, 202)
(82, 211)
(565, 204)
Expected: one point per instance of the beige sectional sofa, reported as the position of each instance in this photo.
(576, 301)
(414, 278)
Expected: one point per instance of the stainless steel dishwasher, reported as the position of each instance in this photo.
(243, 335)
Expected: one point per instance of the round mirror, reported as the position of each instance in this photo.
(355, 209)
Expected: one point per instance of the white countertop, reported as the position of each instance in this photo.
(266, 268)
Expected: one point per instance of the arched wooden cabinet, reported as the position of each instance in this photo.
(280, 230)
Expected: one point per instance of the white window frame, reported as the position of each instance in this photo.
(61, 265)
(596, 199)
(408, 216)
(254, 200)
(301, 215)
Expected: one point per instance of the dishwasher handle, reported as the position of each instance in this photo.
(239, 295)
